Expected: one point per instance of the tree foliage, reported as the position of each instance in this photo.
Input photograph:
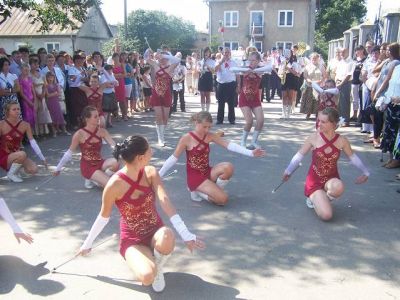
(66, 13)
(159, 28)
(334, 17)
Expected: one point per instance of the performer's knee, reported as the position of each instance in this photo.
(146, 277)
(335, 187)
(228, 171)
(325, 215)
(221, 199)
(114, 165)
(31, 169)
(20, 157)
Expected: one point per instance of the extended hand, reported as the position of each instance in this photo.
(83, 252)
(285, 177)
(361, 179)
(56, 173)
(195, 244)
(24, 236)
(259, 152)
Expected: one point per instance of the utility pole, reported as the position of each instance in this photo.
(126, 19)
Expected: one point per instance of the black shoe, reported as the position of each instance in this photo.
(232, 123)
(218, 123)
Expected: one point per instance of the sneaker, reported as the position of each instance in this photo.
(309, 203)
(89, 184)
(14, 178)
(161, 143)
(195, 197)
(250, 147)
(159, 281)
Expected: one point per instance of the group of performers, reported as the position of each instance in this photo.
(145, 242)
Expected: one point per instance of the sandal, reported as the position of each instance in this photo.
(370, 140)
(393, 164)
(377, 145)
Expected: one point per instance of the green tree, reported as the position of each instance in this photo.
(159, 28)
(333, 18)
(67, 13)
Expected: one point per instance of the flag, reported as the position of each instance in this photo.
(221, 28)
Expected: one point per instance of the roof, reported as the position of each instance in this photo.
(20, 24)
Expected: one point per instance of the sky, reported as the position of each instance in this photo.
(373, 7)
(195, 11)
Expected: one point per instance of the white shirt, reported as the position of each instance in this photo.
(203, 64)
(58, 73)
(344, 69)
(10, 78)
(107, 77)
(224, 75)
(73, 71)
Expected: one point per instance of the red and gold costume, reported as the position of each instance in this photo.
(9, 143)
(91, 159)
(197, 163)
(96, 100)
(161, 93)
(250, 93)
(325, 100)
(139, 218)
(323, 166)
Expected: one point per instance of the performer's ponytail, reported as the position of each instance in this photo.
(131, 147)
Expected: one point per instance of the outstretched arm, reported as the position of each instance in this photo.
(68, 154)
(236, 147)
(355, 161)
(172, 160)
(6, 214)
(191, 241)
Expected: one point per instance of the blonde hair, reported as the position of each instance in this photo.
(201, 116)
(332, 113)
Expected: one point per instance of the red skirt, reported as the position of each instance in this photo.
(165, 100)
(252, 103)
(125, 243)
(3, 159)
(195, 178)
(88, 168)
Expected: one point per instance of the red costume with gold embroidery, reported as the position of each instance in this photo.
(197, 167)
(91, 159)
(323, 166)
(249, 93)
(139, 218)
(161, 93)
(96, 100)
(9, 143)
(325, 100)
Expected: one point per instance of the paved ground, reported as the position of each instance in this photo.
(260, 246)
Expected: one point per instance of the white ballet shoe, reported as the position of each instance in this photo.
(309, 203)
(158, 284)
(89, 184)
(12, 173)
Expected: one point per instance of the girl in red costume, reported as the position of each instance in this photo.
(94, 168)
(328, 97)
(161, 97)
(205, 182)
(12, 131)
(94, 94)
(250, 101)
(323, 183)
(146, 243)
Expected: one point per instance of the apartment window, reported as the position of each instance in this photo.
(258, 45)
(231, 18)
(284, 45)
(257, 22)
(52, 46)
(285, 18)
(232, 45)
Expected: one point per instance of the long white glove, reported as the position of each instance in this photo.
(36, 149)
(169, 163)
(239, 149)
(181, 228)
(172, 59)
(294, 163)
(66, 158)
(356, 161)
(6, 214)
(97, 227)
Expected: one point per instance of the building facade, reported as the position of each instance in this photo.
(18, 31)
(272, 23)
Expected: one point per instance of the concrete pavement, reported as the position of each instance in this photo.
(260, 246)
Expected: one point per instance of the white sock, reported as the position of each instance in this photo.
(162, 131)
(207, 106)
(203, 107)
(222, 182)
(256, 133)
(288, 108)
(158, 132)
(203, 195)
(244, 138)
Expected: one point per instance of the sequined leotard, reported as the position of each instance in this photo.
(161, 93)
(249, 93)
(9, 143)
(197, 163)
(139, 218)
(323, 166)
(91, 159)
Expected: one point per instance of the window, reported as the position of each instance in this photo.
(284, 45)
(52, 46)
(258, 45)
(256, 22)
(232, 45)
(231, 18)
(285, 18)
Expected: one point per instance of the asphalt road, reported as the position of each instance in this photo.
(259, 246)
